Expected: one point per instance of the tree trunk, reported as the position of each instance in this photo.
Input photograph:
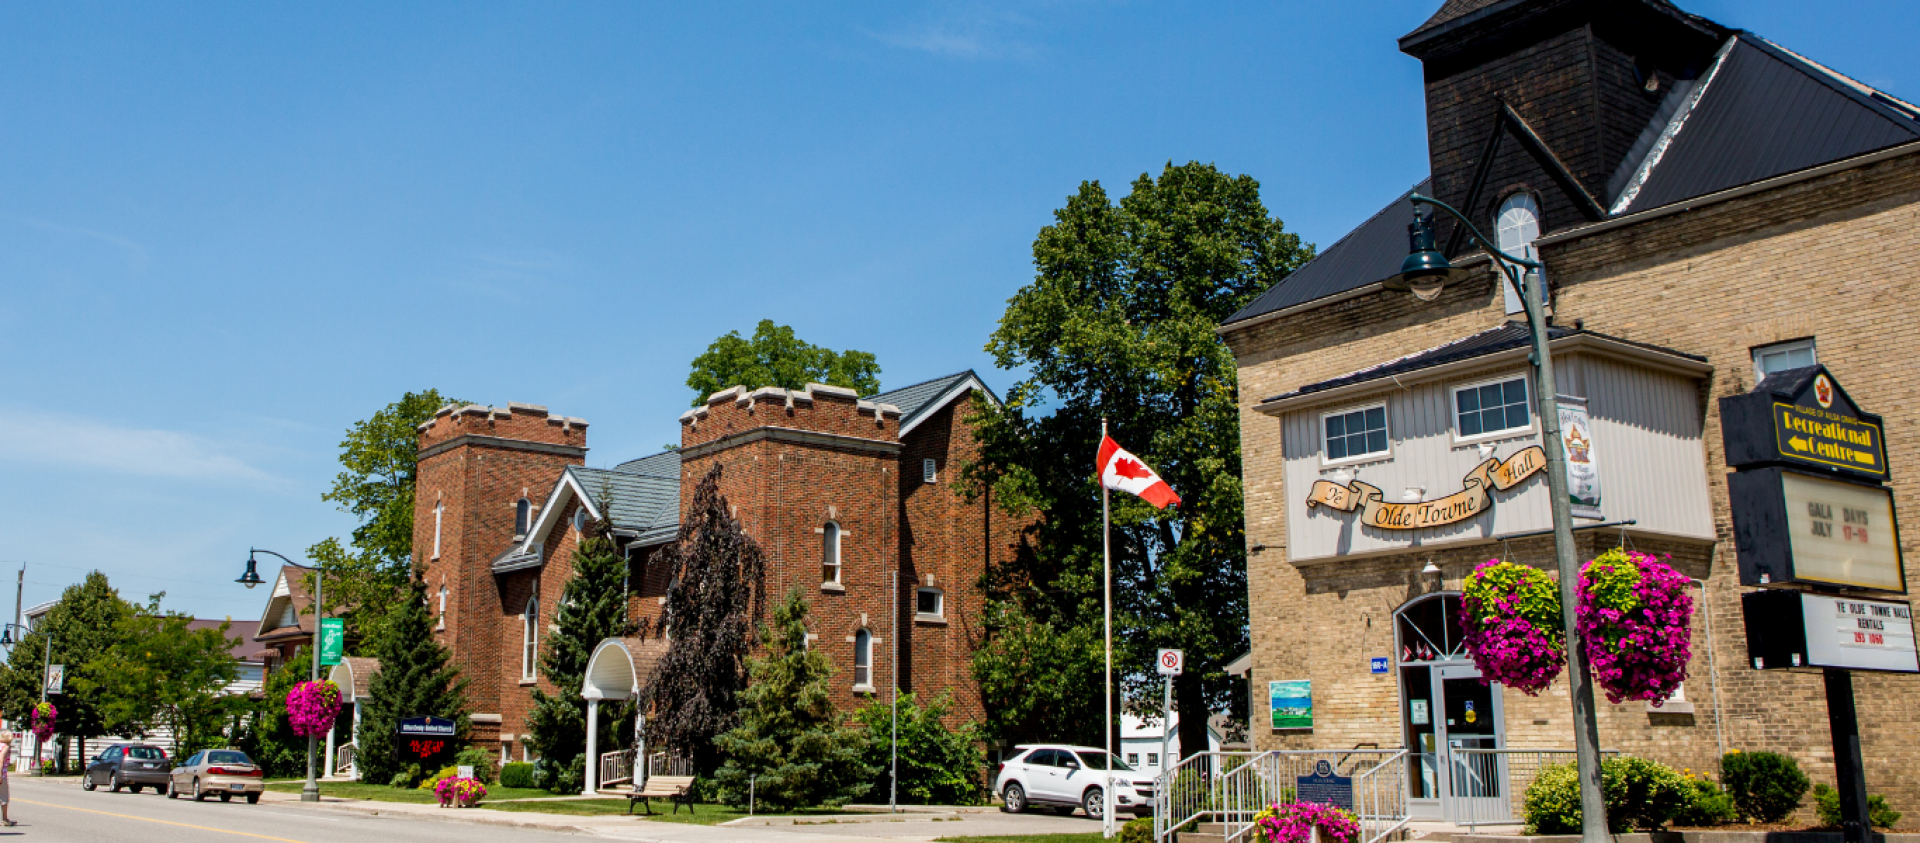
(1190, 701)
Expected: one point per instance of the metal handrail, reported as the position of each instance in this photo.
(1191, 791)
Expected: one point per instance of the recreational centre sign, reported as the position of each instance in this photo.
(1474, 497)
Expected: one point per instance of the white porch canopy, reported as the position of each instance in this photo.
(615, 672)
(354, 676)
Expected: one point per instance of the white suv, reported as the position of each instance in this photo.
(1065, 777)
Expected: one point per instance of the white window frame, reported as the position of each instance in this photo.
(1133, 759)
(1453, 410)
(1508, 237)
(530, 639)
(939, 612)
(832, 541)
(862, 660)
(443, 609)
(929, 470)
(1351, 459)
(1813, 351)
(439, 508)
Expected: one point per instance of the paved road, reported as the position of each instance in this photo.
(58, 810)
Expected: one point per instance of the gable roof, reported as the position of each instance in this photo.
(243, 649)
(646, 501)
(921, 400)
(287, 589)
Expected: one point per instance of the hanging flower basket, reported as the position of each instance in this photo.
(459, 792)
(1511, 616)
(44, 715)
(1636, 625)
(1294, 822)
(312, 707)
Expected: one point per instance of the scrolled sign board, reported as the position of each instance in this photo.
(1474, 497)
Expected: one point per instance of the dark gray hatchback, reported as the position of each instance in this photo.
(132, 766)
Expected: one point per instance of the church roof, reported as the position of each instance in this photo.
(645, 502)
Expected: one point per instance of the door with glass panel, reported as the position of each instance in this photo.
(1444, 707)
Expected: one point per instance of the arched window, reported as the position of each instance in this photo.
(830, 552)
(863, 659)
(522, 517)
(443, 607)
(439, 510)
(530, 639)
(1515, 229)
(1429, 629)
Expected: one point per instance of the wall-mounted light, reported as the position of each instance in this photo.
(1431, 568)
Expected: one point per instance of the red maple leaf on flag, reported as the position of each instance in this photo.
(1130, 469)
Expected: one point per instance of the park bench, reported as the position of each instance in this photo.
(675, 789)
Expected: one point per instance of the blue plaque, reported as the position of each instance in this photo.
(1324, 787)
(1380, 664)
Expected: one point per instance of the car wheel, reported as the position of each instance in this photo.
(253, 799)
(115, 781)
(86, 782)
(1093, 802)
(226, 797)
(1014, 798)
(171, 792)
(164, 789)
(198, 796)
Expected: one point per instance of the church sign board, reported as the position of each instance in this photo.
(1474, 497)
(426, 740)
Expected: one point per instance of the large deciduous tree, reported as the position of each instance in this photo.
(775, 357)
(85, 624)
(593, 608)
(715, 600)
(161, 673)
(375, 485)
(416, 679)
(1118, 323)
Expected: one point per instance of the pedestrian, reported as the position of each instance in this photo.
(6, 764)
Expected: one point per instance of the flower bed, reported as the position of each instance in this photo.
(1294, 822)
(1636, 625)
(312, 707)
(460, 792)
(1511, 616)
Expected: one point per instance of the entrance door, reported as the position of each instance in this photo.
(1476, 783)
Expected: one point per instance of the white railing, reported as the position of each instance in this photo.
(1489, 786)
(343, 759)
(1230, 788)
(667, 764)
(616, 768)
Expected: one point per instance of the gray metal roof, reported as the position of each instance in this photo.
(1767, 112)
(918, 398)
(633, 500)
(1367, 254)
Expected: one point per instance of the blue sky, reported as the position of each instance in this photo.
(228, 231)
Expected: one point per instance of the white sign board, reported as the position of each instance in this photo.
(1170, 662)
(464, 771)
(1842, 533)
(1859, 634)
(56, 679)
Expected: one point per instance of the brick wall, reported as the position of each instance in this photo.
(1833, 258)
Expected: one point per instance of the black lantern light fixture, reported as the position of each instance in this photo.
(252, 577)
(1425, 272)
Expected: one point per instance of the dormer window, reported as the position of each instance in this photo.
(522, 518)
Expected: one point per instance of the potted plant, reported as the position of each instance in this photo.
(1511, 616)
(459, 792)
(312, 707)
(1636, 625)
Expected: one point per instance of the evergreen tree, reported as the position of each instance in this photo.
(85, 624)
(416, 679)
(593, 608)
(715, 600)
(790, 742)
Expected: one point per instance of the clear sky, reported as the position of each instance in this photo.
(229, 230)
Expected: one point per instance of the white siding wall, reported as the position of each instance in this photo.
(1646, 430)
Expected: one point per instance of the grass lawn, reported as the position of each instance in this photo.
(704, 814)
(1076, 837)
(382, 793)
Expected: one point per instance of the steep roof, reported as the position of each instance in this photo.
(1366, 255)
(922, 399)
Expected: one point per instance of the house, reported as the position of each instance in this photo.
(286, 623)
(852, 498)
(1140, 741)
(1715, 213)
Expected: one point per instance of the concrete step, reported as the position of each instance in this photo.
(1211, 828)
(1197, 837)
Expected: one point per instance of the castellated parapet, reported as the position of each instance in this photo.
(819, 408)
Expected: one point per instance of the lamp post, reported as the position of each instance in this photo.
(1425, 273)
(46, 664)
(310, 792)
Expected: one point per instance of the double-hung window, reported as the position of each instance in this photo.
(1486, 409)
(1779, 357)
(863, 659)
(830, 553)
(1356, 434)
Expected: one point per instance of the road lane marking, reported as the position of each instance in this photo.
(162, 822)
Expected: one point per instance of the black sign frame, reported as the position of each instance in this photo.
(1804, 418)
(1761, 524)
(427, 741)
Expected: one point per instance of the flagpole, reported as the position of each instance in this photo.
(1106, 584)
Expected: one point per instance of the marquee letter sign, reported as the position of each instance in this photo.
(1474, 497)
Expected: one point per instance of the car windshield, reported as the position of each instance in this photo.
(1092, 760)
(228, 757)
(145, 753)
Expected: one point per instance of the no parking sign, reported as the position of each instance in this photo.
(1171, 662)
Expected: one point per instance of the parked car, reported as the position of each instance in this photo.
(1067, 777)
(221, 772)
(131, 766)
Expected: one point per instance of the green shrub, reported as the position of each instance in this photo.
(571, 778)
(1827, 801)
(516, 774)
(1640, 794)
(1766, 786)
(1705, 805)
(1137, 831)
(480, 760)
(407, 777)
(938, 765)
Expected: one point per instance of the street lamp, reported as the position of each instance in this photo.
(1425, 273)
(310, 792)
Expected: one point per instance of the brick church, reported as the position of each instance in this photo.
(851, 499)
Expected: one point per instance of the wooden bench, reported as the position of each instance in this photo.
(675, 789)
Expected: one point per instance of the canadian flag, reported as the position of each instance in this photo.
(1124, 471)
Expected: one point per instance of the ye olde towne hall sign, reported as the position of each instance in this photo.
(1474, 497)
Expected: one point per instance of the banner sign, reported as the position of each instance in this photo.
(1474, 497)
(1804, 418)
(1291, 703)
(333, 640)
(1583, 471)
(56, 679)
(1789, 629)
